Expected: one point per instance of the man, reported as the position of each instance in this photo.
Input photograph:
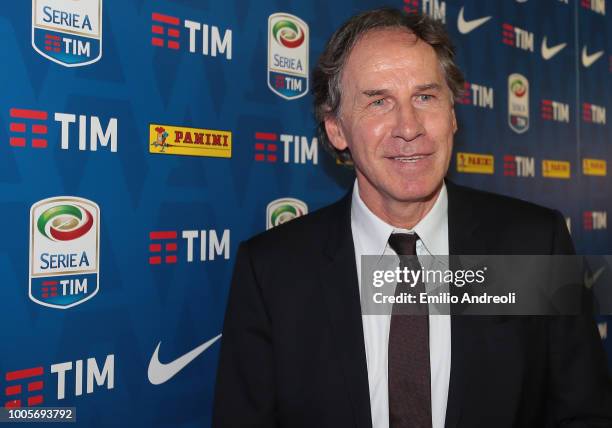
(296, 350)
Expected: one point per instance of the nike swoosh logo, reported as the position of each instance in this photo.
(590, 280)
(588, 60)
(549, 52)
(469, 26)
(159, 372)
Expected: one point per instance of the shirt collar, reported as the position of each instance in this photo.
(374, 233)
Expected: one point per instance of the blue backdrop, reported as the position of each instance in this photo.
(163, 133)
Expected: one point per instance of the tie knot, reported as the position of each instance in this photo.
(404, 244)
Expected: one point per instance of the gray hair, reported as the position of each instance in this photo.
(327, 73)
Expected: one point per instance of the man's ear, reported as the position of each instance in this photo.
(454, 120)
(335, 133)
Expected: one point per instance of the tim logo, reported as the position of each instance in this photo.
(555, 111)
(436, 9)
(288, 46)
(26, 387)
(296, 149)
(29, 128)
(64, 251)
(597, 6)
(519, 166)
(283, 210)
(595, 220)
(164, 245)
(592, 113)
(477, 95)
(517, 37)
(167, 32)
(67, 32)
(518, 103)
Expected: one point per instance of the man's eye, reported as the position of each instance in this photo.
(425, 97)
(378, 102)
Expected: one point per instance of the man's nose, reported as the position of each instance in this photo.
(408, 123)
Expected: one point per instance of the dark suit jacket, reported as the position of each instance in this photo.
(293, 354)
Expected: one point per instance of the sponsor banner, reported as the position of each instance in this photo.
(475, 163)
(180, 140)
(596, 167)
(64, 251)
(67, 32)
(556, 169)
(288, 45)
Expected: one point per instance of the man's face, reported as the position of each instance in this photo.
(396, 117)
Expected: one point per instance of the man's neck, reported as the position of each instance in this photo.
(400, 214)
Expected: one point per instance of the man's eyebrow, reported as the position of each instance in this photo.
(375, 92)
(419, 88)
(429, 87)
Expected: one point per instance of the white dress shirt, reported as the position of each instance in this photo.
(370, 235)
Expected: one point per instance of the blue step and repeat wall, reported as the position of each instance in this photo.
(141, 141)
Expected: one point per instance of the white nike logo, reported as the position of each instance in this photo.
(549, 52)
(469, 26)
(588, 60)
(159, 372)
(590, 280)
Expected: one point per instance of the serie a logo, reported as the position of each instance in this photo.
(288, 41)
(68, 32)
(64, 251)
(283, 210)
(518, 103)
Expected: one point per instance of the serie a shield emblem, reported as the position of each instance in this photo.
(68, 32)
(288, 44)
(64, 251)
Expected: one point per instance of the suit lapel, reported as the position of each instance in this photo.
(463, 239)
(341, 292)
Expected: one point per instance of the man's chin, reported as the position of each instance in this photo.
(416, 192)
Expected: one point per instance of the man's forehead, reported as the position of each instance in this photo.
(391, 51)
(387, 47)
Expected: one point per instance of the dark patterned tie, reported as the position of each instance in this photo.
(409, 369)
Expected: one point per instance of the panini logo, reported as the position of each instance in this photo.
(180, 140)
(475, 163)
(288, 46)
(68, 33)
(596, 167)
(64, 251)
(556, 169)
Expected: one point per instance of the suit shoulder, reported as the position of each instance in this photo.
(497, 206)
